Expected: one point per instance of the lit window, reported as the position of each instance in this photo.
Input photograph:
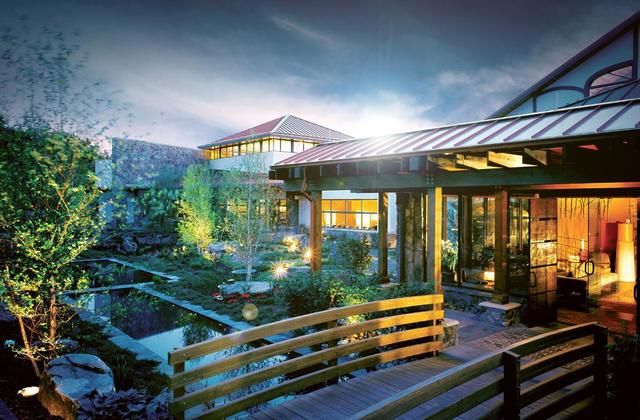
(350, 214)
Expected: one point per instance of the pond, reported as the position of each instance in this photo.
(163, 327)
(105, 272)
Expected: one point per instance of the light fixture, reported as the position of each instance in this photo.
(625, 261)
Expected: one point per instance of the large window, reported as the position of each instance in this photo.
(610, 80)
(350, 214)
(271, 144)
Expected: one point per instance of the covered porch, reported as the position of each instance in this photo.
(493, 189)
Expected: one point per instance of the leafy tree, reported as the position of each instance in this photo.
(48, 215)
(197, 219)
(355, 254)
(248, 197)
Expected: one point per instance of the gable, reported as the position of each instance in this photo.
(608, 63)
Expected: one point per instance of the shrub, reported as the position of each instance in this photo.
(355, 254)
(306, 294)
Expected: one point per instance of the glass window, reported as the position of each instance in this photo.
(610, 80)
(350, 214)
(275, 145)
(285, 145)
(298, 146)
(243, 149)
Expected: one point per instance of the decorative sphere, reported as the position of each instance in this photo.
(250, 311)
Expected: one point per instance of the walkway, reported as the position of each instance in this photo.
(349, 397)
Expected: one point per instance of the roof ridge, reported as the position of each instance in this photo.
(282, 120)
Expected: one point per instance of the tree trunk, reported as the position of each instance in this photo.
(27, 345)
(53, 317)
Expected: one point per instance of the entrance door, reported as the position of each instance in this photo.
(543, 238)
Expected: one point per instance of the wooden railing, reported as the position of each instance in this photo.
(514, 374)
(405, 327)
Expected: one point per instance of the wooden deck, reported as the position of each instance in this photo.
(347, 398)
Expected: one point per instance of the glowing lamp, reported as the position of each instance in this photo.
(489, 276)
(279, 270)
(625, 258)
(307, 255)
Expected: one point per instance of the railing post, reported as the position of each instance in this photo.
(511, 383)
(600, 340)
(178, 392)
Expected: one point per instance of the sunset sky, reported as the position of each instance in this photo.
(196, 71)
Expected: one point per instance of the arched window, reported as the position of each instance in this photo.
(610, 78)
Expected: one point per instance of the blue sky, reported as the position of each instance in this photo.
(196, 71)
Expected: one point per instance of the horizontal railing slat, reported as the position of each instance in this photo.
(424, 391)
(542, 341)
(549, 385)
(554, 360)
(298, 363)
(317, 377)
(467, 402)
(261, 332)
(283, 347)
(572, 397)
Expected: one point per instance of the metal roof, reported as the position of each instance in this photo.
(625, 91)
(529, 129)
(287, 126)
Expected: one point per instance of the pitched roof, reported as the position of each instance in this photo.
(519, 130)
(287, 126)
(625, 91)
(577, 59)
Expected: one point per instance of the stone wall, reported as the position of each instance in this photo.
(140, 164)
(410, 215)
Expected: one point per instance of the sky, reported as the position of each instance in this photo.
(195, 71)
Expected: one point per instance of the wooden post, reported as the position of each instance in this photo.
(434, 237)
(500, 289)
(292, 210)
(600, 340)
(383, 228)
(178, 392)
(511, 407)
(315, 232)
(401, 250)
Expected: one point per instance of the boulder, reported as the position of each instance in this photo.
(128, 245)
(217, 248)
(70, 378)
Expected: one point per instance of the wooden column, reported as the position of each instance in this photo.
(434, 237)
(383, 228)
(401, 252)
(293, 206)
(315, 231)
(500, 288)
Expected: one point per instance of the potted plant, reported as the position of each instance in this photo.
(450, 258)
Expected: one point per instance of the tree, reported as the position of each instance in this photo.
(197, 219)
(248, 197)
(48, 215)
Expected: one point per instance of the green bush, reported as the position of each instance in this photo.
(355, 254)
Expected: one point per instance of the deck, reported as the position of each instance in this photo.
(347, 398)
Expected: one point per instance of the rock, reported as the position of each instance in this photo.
(68, 344)
(252, 287)
(6, 317)
(68, 379)
(128, 246)
(217, 248)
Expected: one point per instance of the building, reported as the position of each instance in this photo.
(542, 197)
(282, 138)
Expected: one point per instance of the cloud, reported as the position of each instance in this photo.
(306, 33)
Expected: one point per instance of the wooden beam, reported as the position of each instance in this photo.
(434, 237)
(401, 236)
(383, 252)
(513, 177)
(535, 157)
(504, 160)
(315, 232)
(448, 163)
(500, 291)
(472, 162)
